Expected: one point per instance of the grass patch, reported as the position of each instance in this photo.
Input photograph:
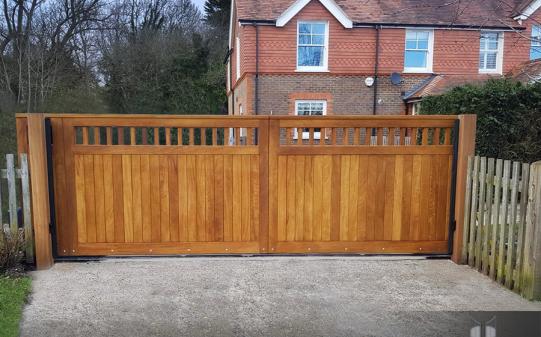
(13, 293)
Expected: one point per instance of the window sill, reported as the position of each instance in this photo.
(493, 72)
(417, 71)
(312, 70)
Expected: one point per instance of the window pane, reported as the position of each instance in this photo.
(491, 61)
(422, 36)
(304, 39)
(535, 53)
(422, 44)
(318, 28)
(304, 28)
(493, 44)
(482, 61)
(318, 39)
(411, 44)
(310, 56)
(415, 59)
(411, 35)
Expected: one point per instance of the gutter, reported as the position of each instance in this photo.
(261, 22)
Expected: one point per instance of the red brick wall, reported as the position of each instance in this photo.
(352, 51)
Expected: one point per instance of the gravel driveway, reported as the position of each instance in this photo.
(260, 296)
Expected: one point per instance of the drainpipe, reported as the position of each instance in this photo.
(256, 108)
(230, 52)
(376, 66)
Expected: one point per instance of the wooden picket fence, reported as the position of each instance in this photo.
(15, 208)
(495, 221)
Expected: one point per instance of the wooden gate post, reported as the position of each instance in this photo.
(37, 158)
(531, 272)
(466, 148)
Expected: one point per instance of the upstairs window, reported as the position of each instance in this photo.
(310, 108)
(490, 52)
(418, 53)
(535, 49)
(312, 41)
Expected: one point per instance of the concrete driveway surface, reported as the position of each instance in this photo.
(261, 296)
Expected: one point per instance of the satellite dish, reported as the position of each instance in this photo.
(396, 79)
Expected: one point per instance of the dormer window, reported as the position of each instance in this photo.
(312, 45)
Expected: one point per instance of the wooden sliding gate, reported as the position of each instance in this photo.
(143, 185)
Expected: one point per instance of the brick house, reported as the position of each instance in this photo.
(370, 56)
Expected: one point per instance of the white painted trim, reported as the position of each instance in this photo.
(325, 66)
(499, 57)
(529, 10)
(331, 6)
(306, 135)
(429, 57)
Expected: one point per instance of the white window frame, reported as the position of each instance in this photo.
(237, 57)
(536, 40)
(306, 135)
(429, 55)
(325, 66)
(499, 55)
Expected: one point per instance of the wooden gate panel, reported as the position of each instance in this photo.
(378, 184)
(195, 188)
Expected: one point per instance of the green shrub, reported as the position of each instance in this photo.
(11, 252)
(508, 116)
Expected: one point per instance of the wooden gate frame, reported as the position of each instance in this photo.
(31, 139)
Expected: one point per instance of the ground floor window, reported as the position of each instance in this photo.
(310, 108)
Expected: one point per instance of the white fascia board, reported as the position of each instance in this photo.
(331, 6)
(529, 10)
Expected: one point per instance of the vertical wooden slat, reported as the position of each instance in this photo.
(215, 136)
(85, 135)
(356, 136)
(379, 136)
(27, 213)
(167, 136)
(525, 178)
(146, 209)
(480, 214)
(165, 235)
(96, 135)
(120, 135)
(132, 136)
(99, 188)
(156, 136)
(437, 136)
(12, 194)
(250, 136)
(109, 135)
(511, 235)
(299, 136)
(311, 136)
(488, 215)
(473, 212)
(414, 132)
(531, 285)
(496, 218)
(108, 195)
(191, 136)
(424, 140)
(137, 198)
(503, 220)
(447, 136)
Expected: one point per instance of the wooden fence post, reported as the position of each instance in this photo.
(466, 148)
(37, 158)
(531, 272)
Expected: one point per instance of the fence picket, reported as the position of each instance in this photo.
(487, 219)
(12, 193)
(481, 213)
(468, 198)
(512, 227)
(503, 219)
(473, 212)
(27, 218)
(521, 223)
(495, 217)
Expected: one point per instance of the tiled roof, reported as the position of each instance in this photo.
(527, 72)
(474, 13)
(440, 84)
